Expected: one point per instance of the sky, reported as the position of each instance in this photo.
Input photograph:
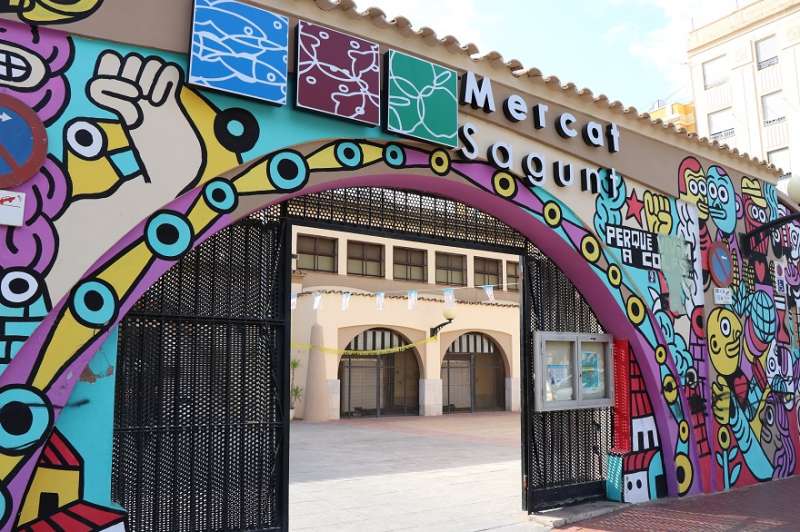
(630, 50)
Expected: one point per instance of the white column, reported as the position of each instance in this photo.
(430, 397)
(341, 255)
(512, 394)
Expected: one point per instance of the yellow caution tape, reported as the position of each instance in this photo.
(363, 352)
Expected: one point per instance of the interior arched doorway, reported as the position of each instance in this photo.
(72, 333)
(380, 384)
(473, 375)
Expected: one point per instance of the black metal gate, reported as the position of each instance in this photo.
(564, 451)
(201, 432)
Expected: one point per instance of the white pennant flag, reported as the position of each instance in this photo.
(346, 300)
(379, 300)
(489, 289)
(412, 299)
(293, 303)
(449, 297)
(317, 300)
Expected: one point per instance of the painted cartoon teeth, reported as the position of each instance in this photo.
(20, 69)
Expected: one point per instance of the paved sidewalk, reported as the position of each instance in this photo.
(770, 506)
(451, 473)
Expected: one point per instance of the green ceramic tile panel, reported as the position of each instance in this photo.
(422, 99)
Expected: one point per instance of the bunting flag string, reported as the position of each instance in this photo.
(489, 290)
(412, 296)
(317, 301)
(346, 300)
(364, 352)
(379, 297)
(412, 299)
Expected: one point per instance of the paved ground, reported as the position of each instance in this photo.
(458, 473)
(769, 506)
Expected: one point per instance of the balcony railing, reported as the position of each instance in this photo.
(767, 62)
(724, 134)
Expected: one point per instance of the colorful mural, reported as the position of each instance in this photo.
(422, 99)
(240, 49)
(338, 74)
(712, 388)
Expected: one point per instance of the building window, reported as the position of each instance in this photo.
(451, 269)
(410, 264)
(487, 272)
(364, 259)
(512, 276)
(316, 253)
(781, 159)
(773, 106)
(715, 72)
(720, 124)
(767, 52)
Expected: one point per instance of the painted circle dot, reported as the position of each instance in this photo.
(552, 214)
(394, 156)
(169, 235)
(16, 418)
(439, 161)
(220, 195)
(669, 388)
(349, 154)
(590, 248)
(94, 303)
(661, 354)
(614, 275)
(683, 430)
(635, 309)
(288, 170)
(504, 185)
(25, 417)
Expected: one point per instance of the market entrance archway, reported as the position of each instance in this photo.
(127, 270)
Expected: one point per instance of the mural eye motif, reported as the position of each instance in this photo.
(723, 194)
(18, 288)
(702, 187)
(769, 416)
(693, 187)
(712, 191)
(725, 326)
(86, 139)
(762, 216)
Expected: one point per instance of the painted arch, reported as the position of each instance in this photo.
(46, 368)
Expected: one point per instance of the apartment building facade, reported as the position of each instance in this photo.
(745, 76)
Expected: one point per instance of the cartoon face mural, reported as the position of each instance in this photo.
(692, 185)
(722, 204)
(724, 332)
(51, 11)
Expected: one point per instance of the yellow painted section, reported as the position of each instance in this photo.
(218, 159)
(7, 464)
(324, 159)
(123, 272)
(98, 175)
(68, 338)
(371, 153)
(201, 215)
(45, 479)
(254, 180)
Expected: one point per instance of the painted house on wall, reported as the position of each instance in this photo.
(147, 284)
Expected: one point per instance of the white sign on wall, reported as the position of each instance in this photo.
(723, 296)
(12, 208)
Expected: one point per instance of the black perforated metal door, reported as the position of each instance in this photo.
(563, 451)
(201, 431)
